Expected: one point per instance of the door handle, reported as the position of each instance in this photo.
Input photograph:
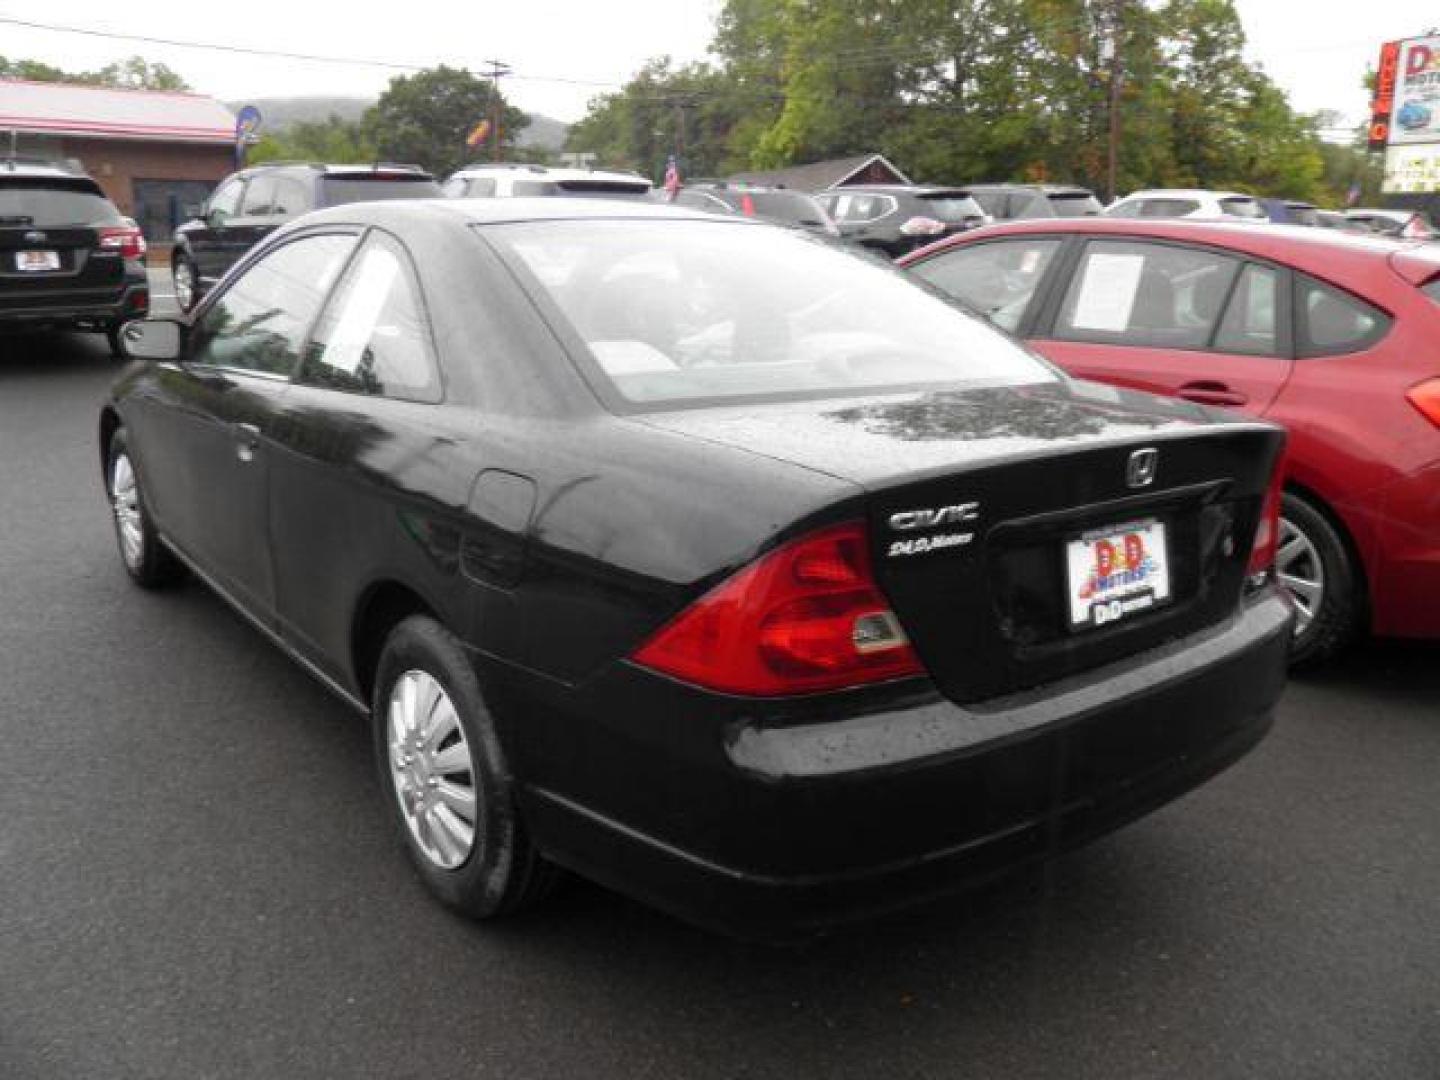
(1212, 393)
(247, 439)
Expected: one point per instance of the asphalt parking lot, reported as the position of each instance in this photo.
(197, 878)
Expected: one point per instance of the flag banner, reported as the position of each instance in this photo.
(478, 134)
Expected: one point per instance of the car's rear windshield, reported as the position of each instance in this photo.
(1075, 204)
(51, 206)
(1432, 290)
(361, 188)
(589, 189)
(788, 206)
(951, 207)
(680, 312)
(1241, 206)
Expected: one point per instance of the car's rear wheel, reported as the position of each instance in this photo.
(446, 777)
(1316, 569)
(149, 562)
(187, 285)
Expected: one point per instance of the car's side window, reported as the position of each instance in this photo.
(1156, 295)
(1167, 208)
(291, 197)
(259, 197)
(373, 337)
(259, 322)
(1251, 323)
(997, 279)
(1331, 322)
(480, 188)
(225, 201)
(861, 207)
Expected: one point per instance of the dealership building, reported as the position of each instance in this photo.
(152, 153)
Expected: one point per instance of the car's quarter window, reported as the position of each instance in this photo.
(292, 197)
(1251, 323)
(1331, 322)
(1166, 208)
(259, 197)
(1156, 295)
(226, 200)
(372, 338)
(860, 208)
(997, 278)
(260, 321)
(694, 311)
(480, 187)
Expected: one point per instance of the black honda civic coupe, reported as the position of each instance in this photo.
(724, 566)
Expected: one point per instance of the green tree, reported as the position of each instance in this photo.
(134, 73)
(424, 119)
(332, 140)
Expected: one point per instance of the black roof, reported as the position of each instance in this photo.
(30, 169)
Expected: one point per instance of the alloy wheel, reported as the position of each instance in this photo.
(1301, 572)
(129, 517)
(431, 769)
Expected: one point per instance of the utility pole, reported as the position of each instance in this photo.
(679, 130)
(497, 69)
(1110, 51)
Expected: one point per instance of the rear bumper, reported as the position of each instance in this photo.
(131, 302)
(1405, 578)
(798, 826)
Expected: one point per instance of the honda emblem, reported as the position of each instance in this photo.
(1140, 472)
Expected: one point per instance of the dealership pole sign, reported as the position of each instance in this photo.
(247, 123)
(1405, 116)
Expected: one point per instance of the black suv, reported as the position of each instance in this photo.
(898, 218)
(781, 205)
(1014, 202)
(249, 205)
(67, 256)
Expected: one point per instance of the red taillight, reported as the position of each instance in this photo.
(126, 239)
(807, 617)
(747, 206)
(1426, 398)
(1267, 533)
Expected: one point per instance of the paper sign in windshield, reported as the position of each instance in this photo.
(1107, 292)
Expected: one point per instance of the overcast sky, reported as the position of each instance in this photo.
(1317, 51)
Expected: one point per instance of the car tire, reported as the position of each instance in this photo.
(1316, 568)
(185, 281)
(436, 757)
(145, 557)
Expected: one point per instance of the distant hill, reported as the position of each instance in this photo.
(280, 112)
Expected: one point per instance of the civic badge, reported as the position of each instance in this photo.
(1140, 472)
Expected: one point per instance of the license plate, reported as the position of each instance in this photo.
(37, 260)
(1117, 572)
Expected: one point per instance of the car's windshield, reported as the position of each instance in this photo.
(353, 189)
(951, 207)
(1075, 204)
(49, 206)
(1242, 207)
(679, 311)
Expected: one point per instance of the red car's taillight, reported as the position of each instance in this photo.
(807, 617)
(126, 239)
(1267, 533)
(1426, 397)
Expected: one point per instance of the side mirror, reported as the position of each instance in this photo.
(152, 339)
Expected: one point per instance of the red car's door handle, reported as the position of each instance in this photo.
(1212, 393)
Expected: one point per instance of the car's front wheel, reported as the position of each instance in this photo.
(446, 778)
(187, 285)
(1316, 569)
(149, 562)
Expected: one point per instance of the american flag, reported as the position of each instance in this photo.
(672, 177)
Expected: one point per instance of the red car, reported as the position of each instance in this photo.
(1335, 336)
